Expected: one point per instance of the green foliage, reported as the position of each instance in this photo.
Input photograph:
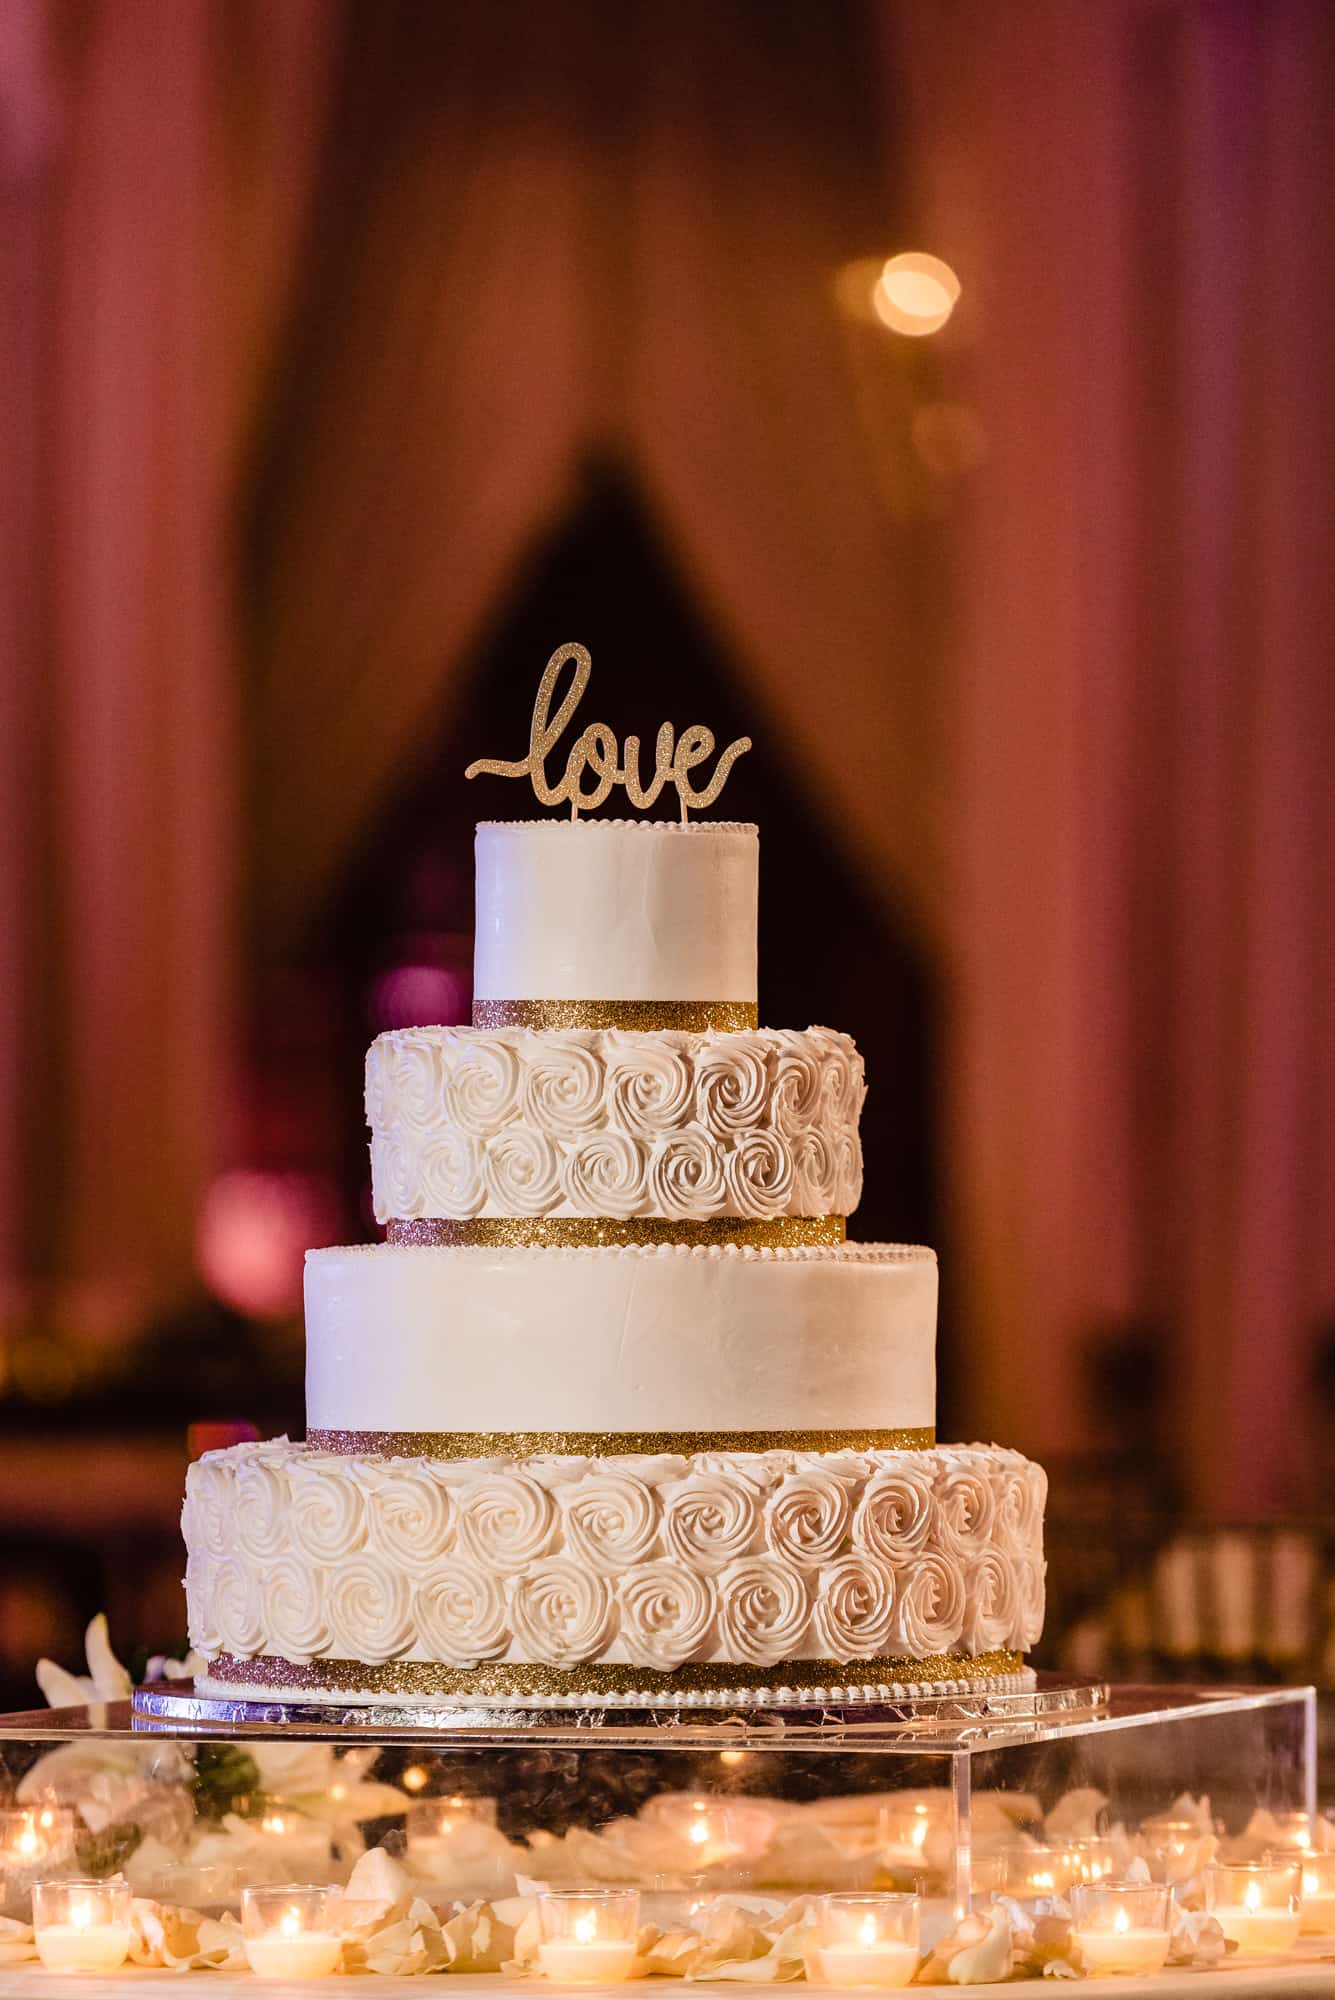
(105, 1852)
(226, 1780)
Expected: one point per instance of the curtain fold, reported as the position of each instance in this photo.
(584, 234)
(126, 414)
(1142, 905)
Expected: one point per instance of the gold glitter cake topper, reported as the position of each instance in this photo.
(595, 751)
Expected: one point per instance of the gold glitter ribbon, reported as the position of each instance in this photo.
(430, 1677)
(589, 1232)
(605, 1444)
(695, 1017)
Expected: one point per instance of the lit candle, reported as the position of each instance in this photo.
(290, 1930)
(82, 1926)
(1257, 1904)
(902, 1835)
(301, 1846)
(588, 1937)
(1027, 1873)
(34, 1837)
(1121, 1926)
(449, 1833)
(1318, 1910)
(867, 1940)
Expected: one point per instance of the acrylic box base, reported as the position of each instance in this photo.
(836, 1785)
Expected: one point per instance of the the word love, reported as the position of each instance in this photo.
(596, 753)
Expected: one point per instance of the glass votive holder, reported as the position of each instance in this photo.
(1174, 1848)
(1026, 1874)
(587, 1936)
(1317, 1915)
(1121, 1926)
(1258, 1904)
(291, 1929)
(1295, 1832)
(292, 1845)
(1094, 1860)
(35, 1838)
(82, 1926)
(446, 1818)
(901, 1835)
(211, 1887)
(867, 1940)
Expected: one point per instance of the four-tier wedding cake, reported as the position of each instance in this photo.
(615, 1414)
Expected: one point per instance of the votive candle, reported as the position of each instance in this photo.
(1257, 1903)
(867, 1940)
(82, 1926)
(32, 1837)
(588, 1936)
(1121, 1926)
(1317, 1915)
(291, 1930)
(1027, 1873)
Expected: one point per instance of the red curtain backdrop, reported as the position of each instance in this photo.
(1070, 702)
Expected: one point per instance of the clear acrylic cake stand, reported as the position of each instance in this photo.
(1139, 1747)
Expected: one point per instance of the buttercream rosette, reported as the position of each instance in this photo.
(667, 1613)
(610, 1519)
(460, 1610)
(650, 1087)
(561, 1091)
(483, 1086)
(732, 1082)
(561, 1611)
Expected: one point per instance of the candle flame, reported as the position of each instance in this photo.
(29, 1842)
(290, 1923)
(1252, 1896)
(698, 1832)
(586, 1928)
(275, 1823)
(81, 1912)
(415, 1777)
(1121, 1921)
(867, 1931)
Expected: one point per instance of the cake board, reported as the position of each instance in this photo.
(178, 1707)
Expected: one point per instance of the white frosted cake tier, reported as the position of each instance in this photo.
(362, 1575)
(410, 1340)
(469, 1122)
(615, 910)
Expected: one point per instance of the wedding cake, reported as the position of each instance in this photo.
(615, 1414)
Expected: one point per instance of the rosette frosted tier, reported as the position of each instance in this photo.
(626, 1577)
(582, 1122)
(616, 1414)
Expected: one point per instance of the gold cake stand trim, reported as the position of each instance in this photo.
(506, 1678)
(586, 1232)
(604, 1444)
(695, 1017)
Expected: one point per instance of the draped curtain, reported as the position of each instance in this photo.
(1141, 914)
(312, 339)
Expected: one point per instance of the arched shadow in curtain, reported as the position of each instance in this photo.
(829, 952)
